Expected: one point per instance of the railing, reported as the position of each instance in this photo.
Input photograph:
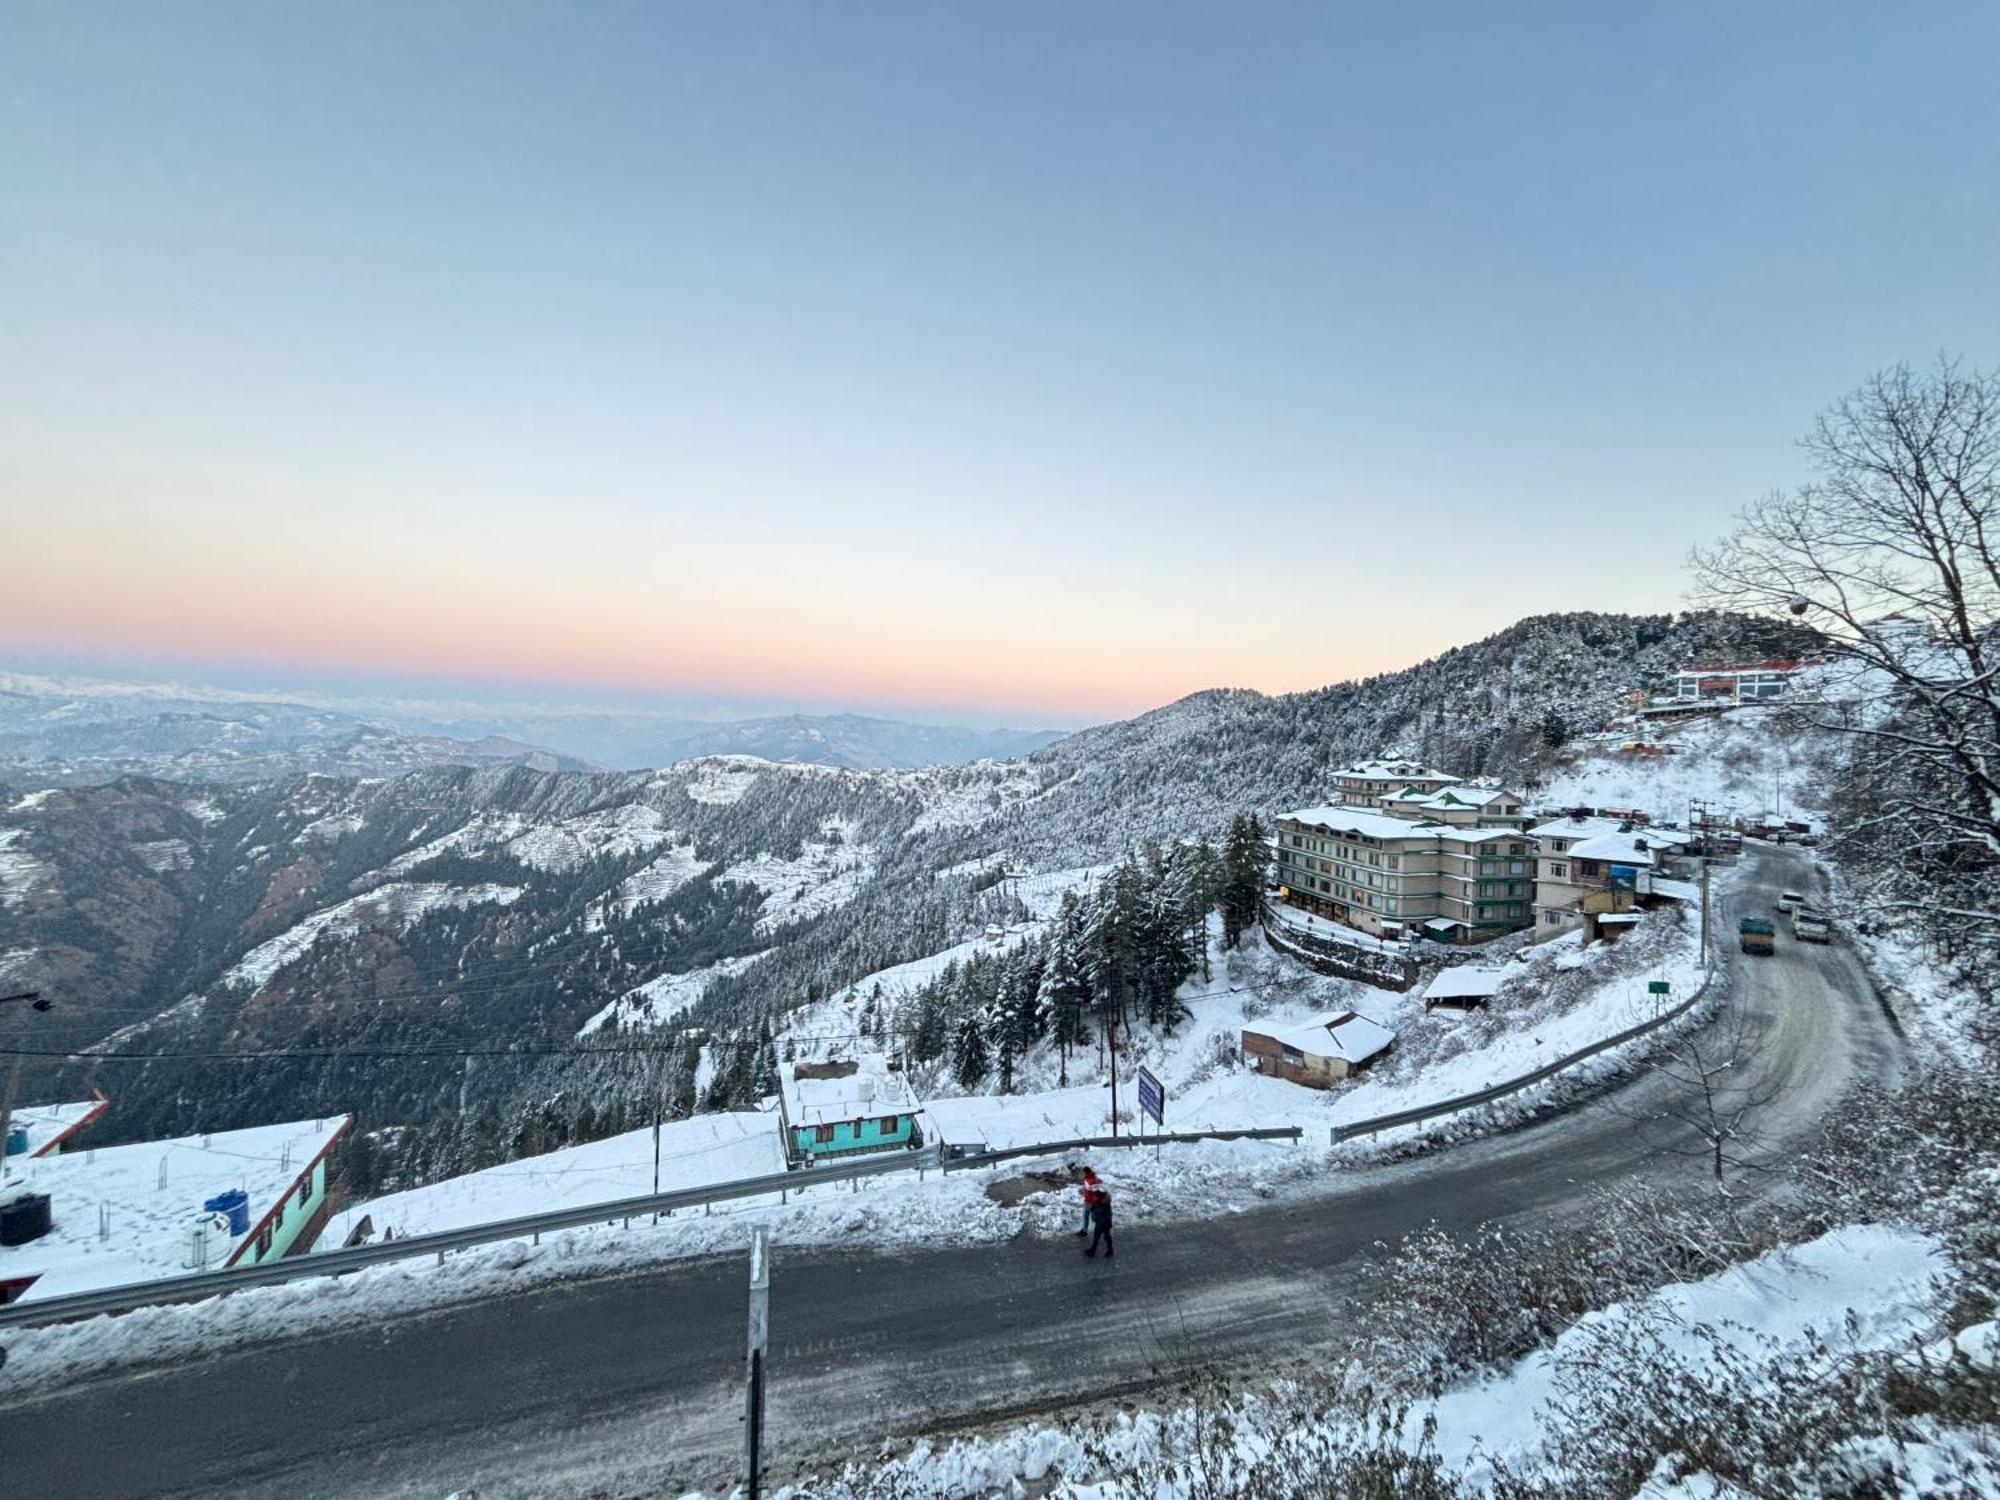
(1109, 1142)
(529, 1226)
(1525, 1081)
(533, 1226)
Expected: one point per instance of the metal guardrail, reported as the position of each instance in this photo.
(529, 1226)
(1525, 1081)
(1107, 1142)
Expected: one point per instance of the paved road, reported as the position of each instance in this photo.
(628, 1386)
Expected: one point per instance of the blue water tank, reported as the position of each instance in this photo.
(17, 1140)
(236, 1204)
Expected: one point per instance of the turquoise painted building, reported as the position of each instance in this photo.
(831, 1110)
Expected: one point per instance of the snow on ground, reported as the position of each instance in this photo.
(697, 1152)
(331, 828)
(828, 873)
(20, 871)
(480, 833)
(33, 800)
(838, 1015)
(630, 828)
(397, 905)
(658, 1001)
(1747, 760)
(673, 868)
(718, 780)
(965, 797)
(161, 855)
(1777, 1302)
(900, 1210)
(203, 810)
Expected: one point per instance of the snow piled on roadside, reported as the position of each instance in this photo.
(1882, 1276)
(887, 1213)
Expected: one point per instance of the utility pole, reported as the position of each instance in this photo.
(760, 1333)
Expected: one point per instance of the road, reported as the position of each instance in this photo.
(629, 1386)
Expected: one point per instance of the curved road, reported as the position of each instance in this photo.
(629, 1386)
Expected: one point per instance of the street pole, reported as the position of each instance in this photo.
(760, 1332)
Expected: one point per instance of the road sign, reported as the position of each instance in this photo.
(1658, 987)
(1153, 1097)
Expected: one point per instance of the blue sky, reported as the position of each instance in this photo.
(1031, 362)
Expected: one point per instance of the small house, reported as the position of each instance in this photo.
(1319, 1053)
(1466, 987)
(837, 1109)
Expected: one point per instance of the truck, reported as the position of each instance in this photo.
(1757, 935)
(1809, 925)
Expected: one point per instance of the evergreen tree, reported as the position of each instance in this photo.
(1243, 861)
(968, 1054)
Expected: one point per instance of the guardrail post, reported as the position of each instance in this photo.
(760, 1333)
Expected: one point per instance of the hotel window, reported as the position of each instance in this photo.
(1558, 870)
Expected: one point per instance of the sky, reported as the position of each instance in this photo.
(1022, 363)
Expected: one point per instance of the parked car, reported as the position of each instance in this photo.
(1791, 901)
(1758, 936)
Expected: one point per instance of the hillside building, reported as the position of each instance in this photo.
(1366, 783)
(835, 1109)
(1589, 867)
(86, 1219)
(1389, 875)
(1727, 686)
(1317, 1053)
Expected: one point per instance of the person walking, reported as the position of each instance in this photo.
(1101, 1223)
(1091, 1188)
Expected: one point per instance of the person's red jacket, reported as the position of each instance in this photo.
(1093, 1192)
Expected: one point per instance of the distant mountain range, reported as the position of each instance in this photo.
(74, 731)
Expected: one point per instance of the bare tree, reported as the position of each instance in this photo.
(1712, 1106)
(1892, 554)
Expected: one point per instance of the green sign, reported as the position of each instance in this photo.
(1657, 987)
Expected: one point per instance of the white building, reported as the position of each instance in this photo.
(1726, 685)
(44, 1129)
(1367, 782)
(1594, 865)
(125, 1214)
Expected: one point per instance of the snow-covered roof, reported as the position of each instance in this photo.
(1634, 848)
(49, 1125)
(1473, 835)
(1674, 890)
(1466, 982)
(147, 1197)
(1464, 796)
(1357, 820)
(696, 1152)
(858, 1089)
(1393, 769)
(1343, 1034)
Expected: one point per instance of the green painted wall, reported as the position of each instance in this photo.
(854, 1135)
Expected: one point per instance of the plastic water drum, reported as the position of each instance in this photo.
(235, 1205)
(17, 1140)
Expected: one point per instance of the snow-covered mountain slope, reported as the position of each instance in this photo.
(782, 883)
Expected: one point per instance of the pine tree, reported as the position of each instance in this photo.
(766, 1078)
(968, 1054)
(1243, 861)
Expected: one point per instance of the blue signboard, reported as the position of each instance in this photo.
(1153, 1098)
